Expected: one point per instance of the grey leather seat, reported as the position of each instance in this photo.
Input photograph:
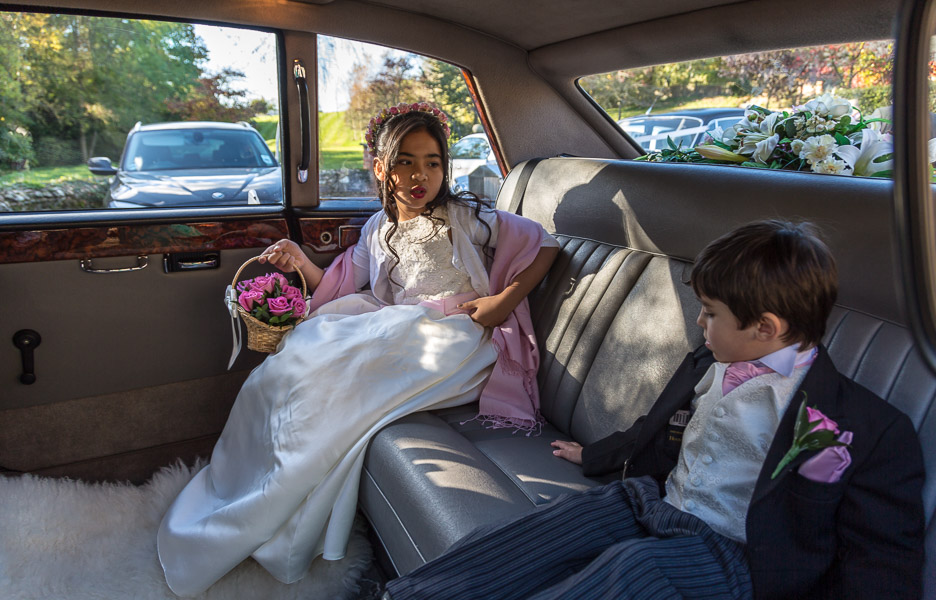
(614, 318)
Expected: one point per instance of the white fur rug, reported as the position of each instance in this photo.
(61, 538)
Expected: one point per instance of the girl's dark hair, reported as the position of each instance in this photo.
(771, 266)
(388, 140)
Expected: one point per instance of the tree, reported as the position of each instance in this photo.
(394, 83)
(790, 77)
(640, 89)
(213, 99)
(15, 145)
(448, 90)
(87, 76)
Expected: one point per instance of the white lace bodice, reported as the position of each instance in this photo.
(425, 270)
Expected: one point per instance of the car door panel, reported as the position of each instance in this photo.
(131, 371)
(132, 315)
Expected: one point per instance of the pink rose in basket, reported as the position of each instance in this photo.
(250, 297)
(299, 307)
(281, 279)
(264, 283)
(279, 305)
(292, 292)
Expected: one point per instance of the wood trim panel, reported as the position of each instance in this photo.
(331, 234)
(128, 240)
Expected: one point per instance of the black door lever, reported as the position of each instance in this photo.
(27, 340)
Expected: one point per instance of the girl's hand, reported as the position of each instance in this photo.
(285, 255)
(489, 311)
(571, 451)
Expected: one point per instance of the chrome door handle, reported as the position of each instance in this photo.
(87, 266)
(305, 128)
(198, 264)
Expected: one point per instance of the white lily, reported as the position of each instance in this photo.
(715, 133)
(751, 120)
(765, 148)
(753, 139)
(830, 106)
(862, 158)
(717, 153)
(883, 112)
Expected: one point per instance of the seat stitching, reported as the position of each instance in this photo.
(564, 326)
(900, 371)
(596, 347)
(395, 514)
(576, 343)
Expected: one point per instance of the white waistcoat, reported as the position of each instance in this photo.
(725, 444)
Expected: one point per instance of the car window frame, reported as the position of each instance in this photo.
(914, 195)
(18, 221)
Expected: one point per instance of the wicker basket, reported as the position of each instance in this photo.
(263, 337)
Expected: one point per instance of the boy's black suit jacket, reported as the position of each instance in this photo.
(861, 537)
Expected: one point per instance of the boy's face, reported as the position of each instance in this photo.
(723, 335)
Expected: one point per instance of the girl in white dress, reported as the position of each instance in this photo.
(445, 307)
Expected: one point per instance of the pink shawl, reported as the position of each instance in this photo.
(511, 396)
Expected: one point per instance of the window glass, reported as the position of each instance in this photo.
(99, 112)
(822, 109)
(356, 80)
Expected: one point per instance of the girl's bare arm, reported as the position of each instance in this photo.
(491, 311)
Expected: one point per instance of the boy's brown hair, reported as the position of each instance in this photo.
(771, 266)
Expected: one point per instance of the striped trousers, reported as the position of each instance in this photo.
(616, 541)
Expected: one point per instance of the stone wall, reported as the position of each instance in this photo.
(70, 195)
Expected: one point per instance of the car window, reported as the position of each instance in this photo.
(195, 149)
(356, 80)
(652, 132)
(476, 148)
(836, 96)
(133, 113)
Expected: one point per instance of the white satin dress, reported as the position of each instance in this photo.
(283, 479)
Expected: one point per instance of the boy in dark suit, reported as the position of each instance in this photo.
(723, 496)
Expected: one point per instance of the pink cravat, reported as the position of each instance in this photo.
(739, 372)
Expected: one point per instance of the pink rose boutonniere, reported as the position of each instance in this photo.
(815, 431)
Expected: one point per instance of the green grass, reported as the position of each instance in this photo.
(266, 125)
(340, 145)
(342, 159)
(47, 176)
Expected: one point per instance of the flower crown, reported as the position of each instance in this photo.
(400, 109)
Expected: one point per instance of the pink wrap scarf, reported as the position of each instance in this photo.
(511, 397)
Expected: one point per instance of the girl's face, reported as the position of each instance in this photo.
(417, 175)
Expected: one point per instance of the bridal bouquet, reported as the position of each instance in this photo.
(270, 299)
(825, 135)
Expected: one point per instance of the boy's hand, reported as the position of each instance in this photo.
(285, 255)
(571, 451)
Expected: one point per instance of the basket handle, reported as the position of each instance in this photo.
(237, 275)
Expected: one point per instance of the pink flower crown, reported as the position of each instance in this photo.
(386, 114)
